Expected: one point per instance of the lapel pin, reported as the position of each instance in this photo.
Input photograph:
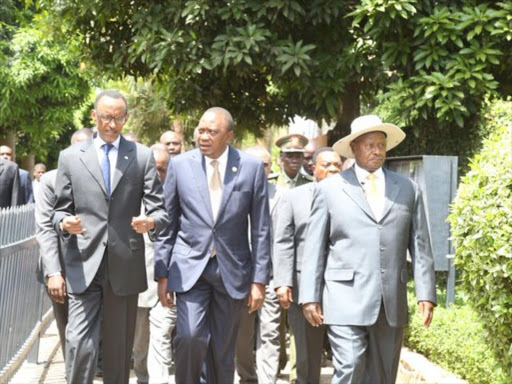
(126, 157)
(234, 169)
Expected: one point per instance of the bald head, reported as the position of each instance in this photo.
(173, 141)
(327, 162)
(261, 153)
(6, 152)
(81, 135)
(161, 155)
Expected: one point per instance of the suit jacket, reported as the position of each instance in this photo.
(366, 260)
(50, 251)
(81, 191)
(26, 187)
(182, 254)
(10, 194)
(290, 236)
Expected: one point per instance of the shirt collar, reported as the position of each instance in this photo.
(362, 174)
(98, 142)
(289, 179)
(222, 159)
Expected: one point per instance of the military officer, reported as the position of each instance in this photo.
(291, 157)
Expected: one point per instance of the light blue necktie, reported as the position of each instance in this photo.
(105, 167)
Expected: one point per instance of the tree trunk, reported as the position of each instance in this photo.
(349, 110)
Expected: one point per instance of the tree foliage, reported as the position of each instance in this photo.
(426, 64)
(263, 60)
(41, 84)
(482, 233)
(442, 59)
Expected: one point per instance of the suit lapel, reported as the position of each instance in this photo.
(392, 189)
(354, 190)
(125, 156)
(232, 171)
(198, 170)
(89, 159)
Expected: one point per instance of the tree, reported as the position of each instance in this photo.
(441, 60)
(41, 84)
(427, 63)
(265, 61)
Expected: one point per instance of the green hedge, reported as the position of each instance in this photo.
(456, 342)
(481, 221)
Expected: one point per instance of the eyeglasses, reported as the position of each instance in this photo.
(106, 119)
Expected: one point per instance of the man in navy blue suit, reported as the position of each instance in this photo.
(212, 193)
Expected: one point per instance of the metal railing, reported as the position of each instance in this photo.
(22, 298)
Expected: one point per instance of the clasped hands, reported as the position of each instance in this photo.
(73, 224)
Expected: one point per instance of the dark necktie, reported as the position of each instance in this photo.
(105, 166)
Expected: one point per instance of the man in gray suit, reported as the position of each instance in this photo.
(152, 349)
(261, 328)
(289, 239)
(212, 194)
(101, 184)
(50, 269)
(354, 279)
(10, 194)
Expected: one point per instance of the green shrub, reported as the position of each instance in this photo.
(456, 342)
(481, 220)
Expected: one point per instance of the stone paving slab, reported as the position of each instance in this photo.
(414, 368)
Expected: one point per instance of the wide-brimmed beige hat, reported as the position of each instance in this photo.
(365, 124)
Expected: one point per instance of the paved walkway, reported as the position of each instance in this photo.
(414, 368)
(50, 366)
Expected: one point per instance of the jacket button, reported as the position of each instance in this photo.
(104, 243)
(382, 249)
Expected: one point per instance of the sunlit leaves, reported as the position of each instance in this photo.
(482, 234)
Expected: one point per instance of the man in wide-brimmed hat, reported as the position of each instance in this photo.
(354, 278)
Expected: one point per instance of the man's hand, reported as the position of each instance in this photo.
(166, 297)
(143, 224)
(256, 297)
(313, 314)
(426, 309)
(57, 288)
(72, 225)
(284, 295)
